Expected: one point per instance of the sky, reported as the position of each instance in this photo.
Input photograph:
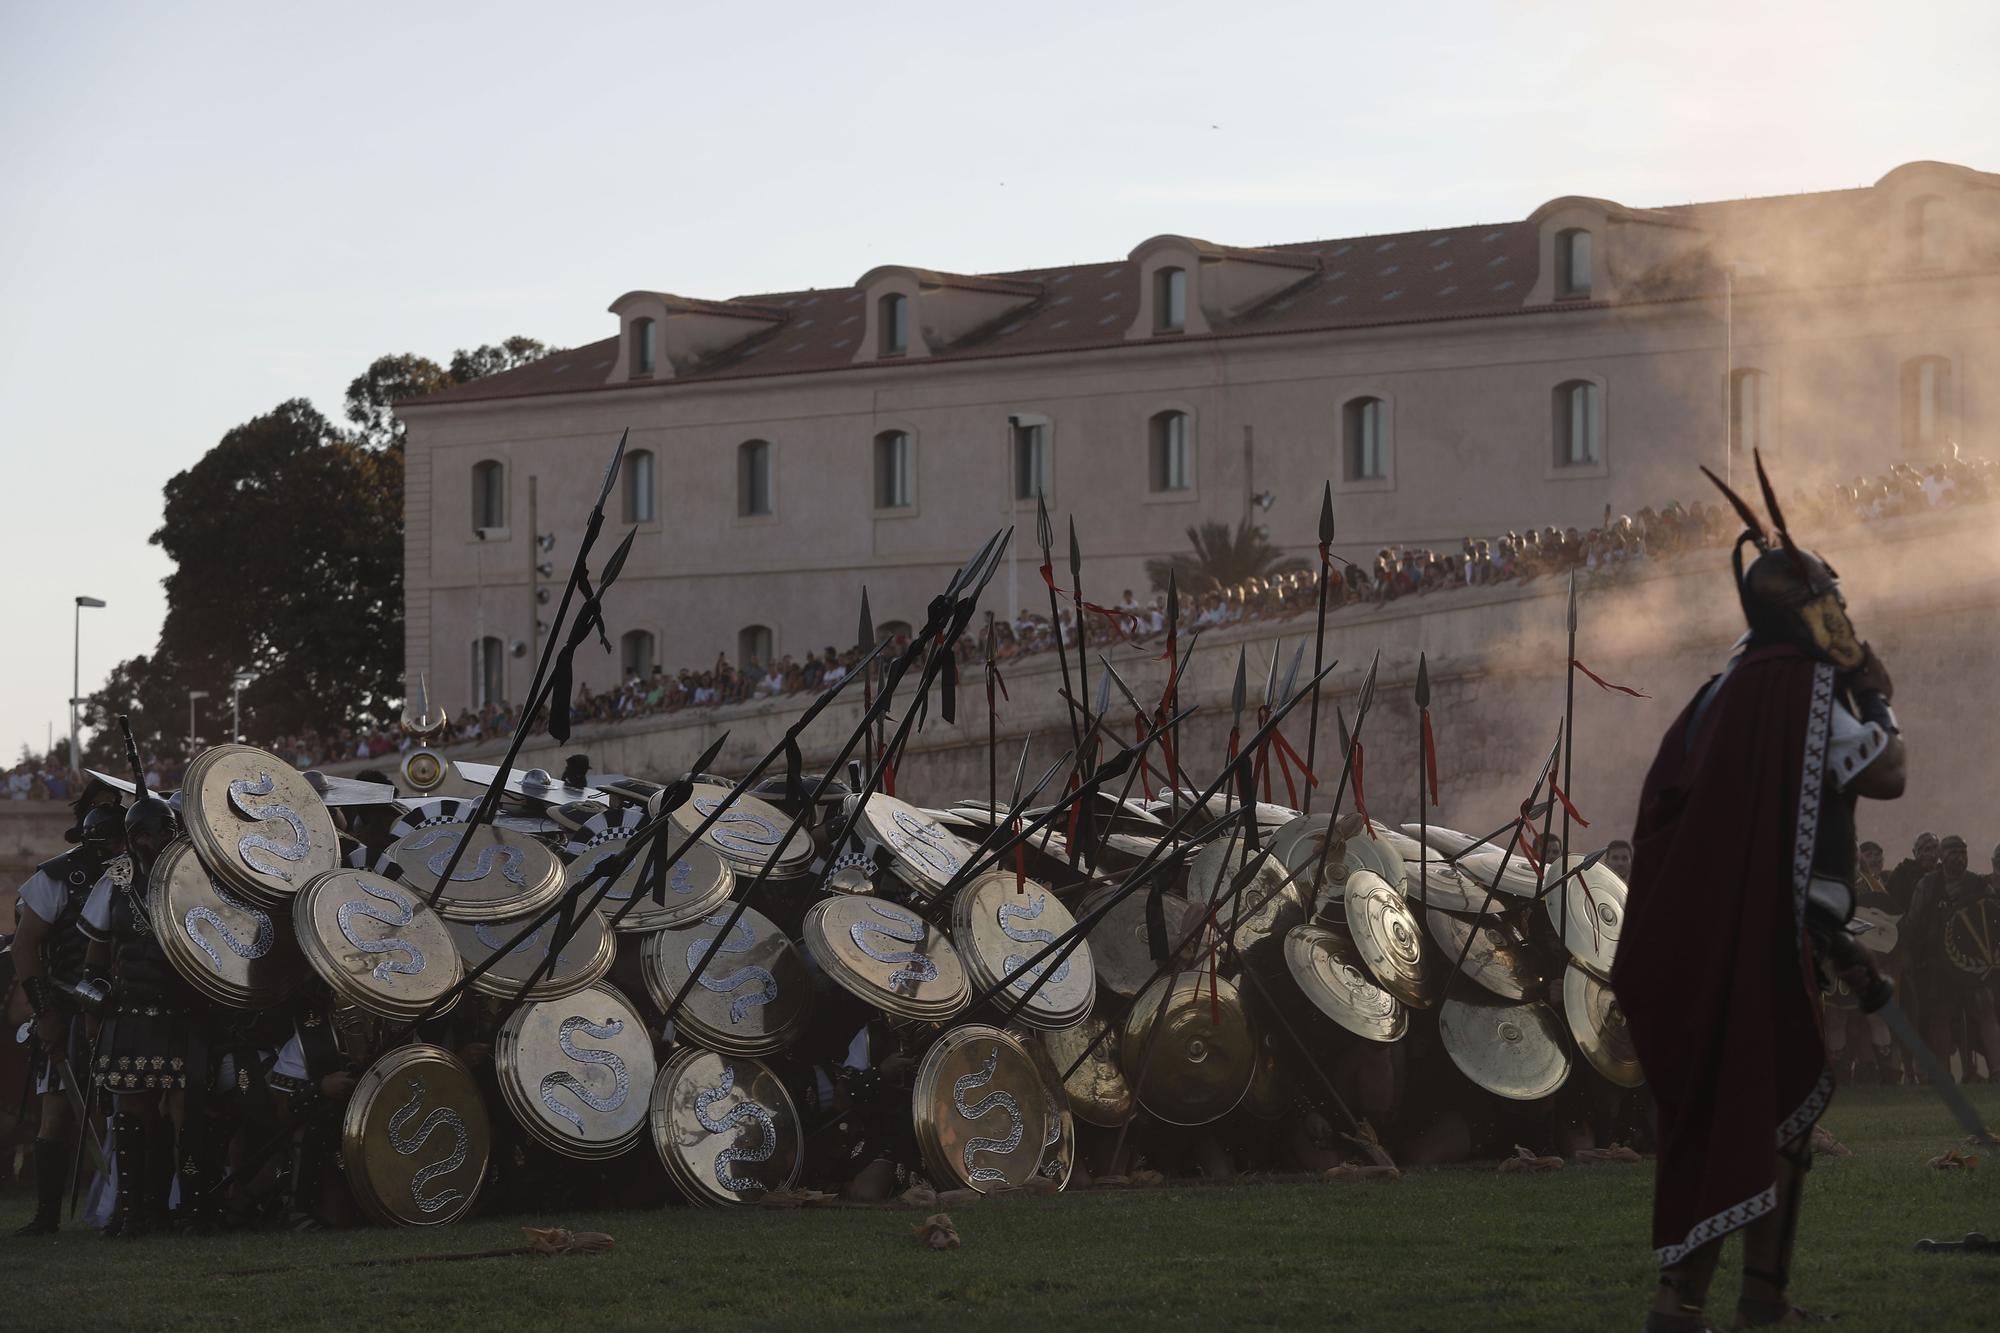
(206, 209)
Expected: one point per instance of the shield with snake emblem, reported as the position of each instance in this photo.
(576, 1071)
(258, 825)
(982, 1110)
(724, 1127)
(415, 1138)
(235, 952)
(375, 943)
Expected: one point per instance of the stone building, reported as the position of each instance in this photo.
(788, 448)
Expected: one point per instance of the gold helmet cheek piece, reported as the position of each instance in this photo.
(1832, 632)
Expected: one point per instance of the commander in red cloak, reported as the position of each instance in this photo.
(1744, 846)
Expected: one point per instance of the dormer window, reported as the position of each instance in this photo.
(1170, 300)
(1573, 263)
(645, 346)
(895, 322)
(1923, 233)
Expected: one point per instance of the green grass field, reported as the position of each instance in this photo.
(1463, 1248)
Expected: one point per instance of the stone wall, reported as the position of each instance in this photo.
(1926, 591)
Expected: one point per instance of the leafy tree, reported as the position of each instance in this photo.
(373, 394)
(1221, 559)
(478, 363)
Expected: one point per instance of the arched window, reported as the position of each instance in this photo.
(753, 477)
(1749, 391)
(639, 486)
(636, 656)
(1927, 407)
(895, 470)
(1573, 262)
(1032, 476)
(1364, 443)
(489, 494)
(489, 671)
(1172, 452)
(894, 314)
(1579, 424)
(1169, 300)
(753, 647)
(1923, 232)
(645, 346)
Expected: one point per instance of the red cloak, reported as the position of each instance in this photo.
(1714, 969)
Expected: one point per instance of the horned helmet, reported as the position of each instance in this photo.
(1788, 595)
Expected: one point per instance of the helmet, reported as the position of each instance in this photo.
(150, 825)
(102, 831)
(1789, 595)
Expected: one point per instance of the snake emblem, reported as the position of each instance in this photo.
(441, 1117)
(747, 1110)
(680, 880)
(256, 842)
(406, 909)
(1029, 911)
(510, 858)
(924, 840)
(562, 1078)
(1051, 1164)
(490, 937)
(259, 943)
(741, 940)
(987, 1175)
(728, 831)
(903, 927)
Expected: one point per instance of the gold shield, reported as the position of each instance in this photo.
(1098, 1091)
(257, 823)
(415, 1138)
(375, 943)
(1598, 1025)
(748, 833)
(981, 1111)
(997, 926)
(752, 997)
(1190, 1059)
(888, 956)
(1120, 953)
(1498, 958)
(1266, 909)
(1511, 1050)
(1329, 973)
(577, 1072)
(582, 962)
(503, 873)
(1388, 938)
(697, 882)
(1596, 913)
(725, 1128)
(236, 952)
(912, 845)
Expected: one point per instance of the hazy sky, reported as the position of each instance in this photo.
(206, 209)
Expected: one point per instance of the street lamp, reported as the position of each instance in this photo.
(192, 696)
(236, 685)
(76, 679)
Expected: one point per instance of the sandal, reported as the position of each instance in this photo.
(1688, 1319)
(1766, 1312)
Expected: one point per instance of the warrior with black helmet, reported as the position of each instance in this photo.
(142, 1050)
(1743, 872)
(48, 954)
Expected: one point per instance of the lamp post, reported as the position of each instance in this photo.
(192, 696)
(76, 679)
(236, 685)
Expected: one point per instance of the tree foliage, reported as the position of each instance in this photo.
(373, 394)
(1220, 558)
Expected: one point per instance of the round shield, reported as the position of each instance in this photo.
(424, 770)
(1059, 1145)
(582, 962)
(747, 833)
(1494, 956)
(415, 1138)
(576, 1072)
(375, 943)
(1329, 973)
(725, 1128)
(260, 827)
(997, 927)
(1190, 1060)
(1264, 910)
(695, 884)
(752, 996)
(1504, 874)
(1097, 1090)
(918, 849)
(1883, 930)
(981, 1111)
(502, 873)
(1120, 952)
(1437, 884)
(888, 956)
(1511, 1050)
(1444, 841)
(1598, 1025)
(1972, 938)
(1388, 938)
(1272, 1093)
(1595, 904)
(229, 948)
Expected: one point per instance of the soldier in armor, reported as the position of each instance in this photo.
(1958, 1003)
(1718, 969)
(49, 959)
(142, 1053)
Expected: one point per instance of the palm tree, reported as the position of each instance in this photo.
(1222, 559)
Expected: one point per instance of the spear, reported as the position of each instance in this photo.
(1082, 631)
(1348, 746)
(1319, 632)
(1569, 739)
(1238, 696)
(1506, 858)
(1426, 775)
(1172, 687)
(992, 720)
(1045, 538)
(866, 639)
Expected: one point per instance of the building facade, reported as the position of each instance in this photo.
(787, 449)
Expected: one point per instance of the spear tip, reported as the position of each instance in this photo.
(1241, 692)
(611, 473)
(1423, 681)
(1572, 601)
(1075, 552)
(1326, 515)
